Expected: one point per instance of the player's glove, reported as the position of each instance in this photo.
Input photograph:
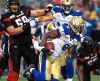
(66, 46)
(28, 70)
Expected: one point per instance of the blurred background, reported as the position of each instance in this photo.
(89, 7)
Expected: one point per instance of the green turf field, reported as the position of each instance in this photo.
(94, 78)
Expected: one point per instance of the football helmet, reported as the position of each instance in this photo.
(87, 42)
(50, 5)
(77, 25)
(67, 5)
(10, 2)
(49, 45)
(13, 5)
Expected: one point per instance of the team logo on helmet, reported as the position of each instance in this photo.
(67, 2)
(67, 5)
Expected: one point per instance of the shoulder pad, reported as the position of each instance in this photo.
(57, 9)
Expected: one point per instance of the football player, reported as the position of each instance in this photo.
(71, 25)
(87, 58)
(16, 22)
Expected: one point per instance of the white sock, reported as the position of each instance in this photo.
(69, 79)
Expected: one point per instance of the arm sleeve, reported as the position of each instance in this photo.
(6, 21)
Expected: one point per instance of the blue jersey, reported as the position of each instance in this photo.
(75, 13)
(57, 9)
(72, 35)
(64, 24)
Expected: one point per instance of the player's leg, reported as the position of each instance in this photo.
(3, 64)
(29, 56)
(44, 72)
(14, 63)
(70, 69)
(79, 71)
(3, 54)
(63, 66)
(34, 73)
(56, 70)
(45, 65)
(48, 70)
(40, 75)
(71, 64)
(1, 69)
(86, 73)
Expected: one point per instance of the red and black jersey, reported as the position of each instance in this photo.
(86, 57)
(18, 19)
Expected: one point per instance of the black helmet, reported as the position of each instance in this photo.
(10, 2)
(87, 42)
(97, 45)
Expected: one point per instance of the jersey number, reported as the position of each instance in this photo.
(22, 20)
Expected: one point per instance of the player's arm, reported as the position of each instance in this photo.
(37, 13)
(14, 31)
(45, 18)
(41, 14)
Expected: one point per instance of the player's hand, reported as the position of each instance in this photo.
(26, 26)
(28, 71)
(66, 46)
(46, 51)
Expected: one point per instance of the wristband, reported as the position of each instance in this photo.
(37, 19)
(31, 70)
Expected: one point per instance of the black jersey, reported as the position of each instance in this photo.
(96, 35)
(19, 19)
(88, 57)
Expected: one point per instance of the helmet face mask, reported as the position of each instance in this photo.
(67, 6)
(49, 7)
